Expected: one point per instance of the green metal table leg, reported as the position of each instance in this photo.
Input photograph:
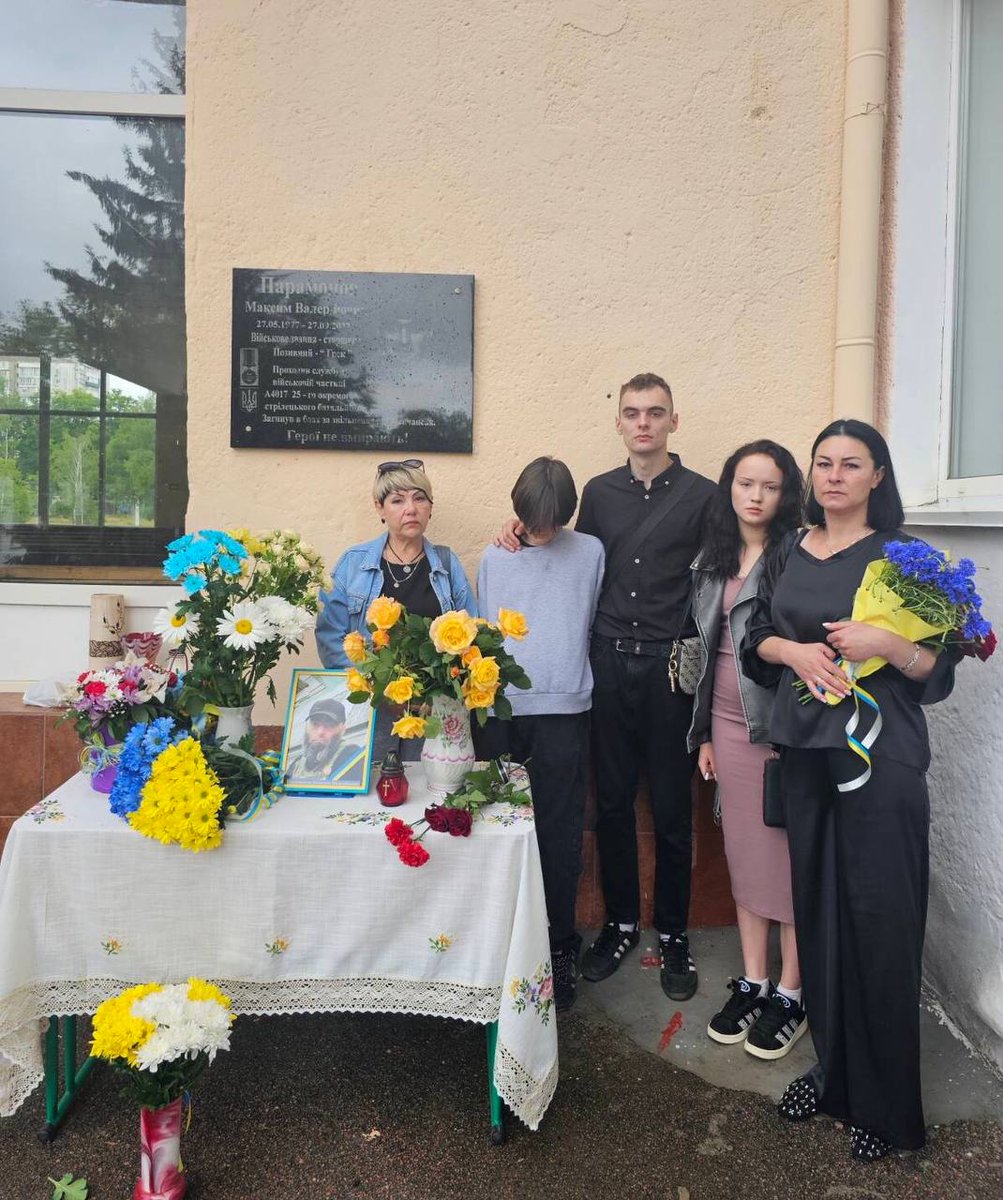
(494, 1100)
(56, 1106)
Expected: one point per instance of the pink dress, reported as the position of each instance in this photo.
(758, 860)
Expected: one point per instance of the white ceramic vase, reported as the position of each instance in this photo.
(232, 724)
(447, 757)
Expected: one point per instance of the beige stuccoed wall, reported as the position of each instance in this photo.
(635, 185)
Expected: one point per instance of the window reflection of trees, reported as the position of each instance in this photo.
(103, 446)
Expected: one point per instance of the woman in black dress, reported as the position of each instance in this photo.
(859, 845)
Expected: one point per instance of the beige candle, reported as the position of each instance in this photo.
(107, 623)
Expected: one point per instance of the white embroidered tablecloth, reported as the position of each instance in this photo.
(305, 909)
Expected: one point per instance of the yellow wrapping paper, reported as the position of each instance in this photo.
(876, 604)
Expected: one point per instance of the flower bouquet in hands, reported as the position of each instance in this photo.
(161, 1038)
(408, 659)
(915, 591)
(248, 599)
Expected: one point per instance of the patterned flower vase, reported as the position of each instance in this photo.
(447, 757)
(99, 759)
(161, 1176)
(232, 724)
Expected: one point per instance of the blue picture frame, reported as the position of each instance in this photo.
(327, 743)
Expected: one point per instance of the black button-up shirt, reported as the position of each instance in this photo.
(647, 599)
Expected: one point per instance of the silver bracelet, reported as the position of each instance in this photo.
(911, 663)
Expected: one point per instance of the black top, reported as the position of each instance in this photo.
(796, 594)
(647, 597)
(413, 589)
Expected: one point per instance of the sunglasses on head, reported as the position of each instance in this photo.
(415, 464)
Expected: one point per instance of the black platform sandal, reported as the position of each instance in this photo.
(799, 1101)
(866, 1146)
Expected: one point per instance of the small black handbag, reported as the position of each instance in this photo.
(773, 796)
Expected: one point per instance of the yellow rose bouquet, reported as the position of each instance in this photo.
(407, 659)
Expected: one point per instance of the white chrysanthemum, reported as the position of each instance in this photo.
(175, 627)
(288, 620)
(184, 1028)
(244, 626)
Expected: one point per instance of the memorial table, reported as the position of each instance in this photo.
(305, 909)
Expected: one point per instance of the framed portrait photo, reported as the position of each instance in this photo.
(328, 741)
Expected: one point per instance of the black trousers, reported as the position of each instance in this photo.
(639, 726)
(860, 865)
(555, 748)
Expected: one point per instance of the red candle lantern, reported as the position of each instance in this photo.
(392, 786)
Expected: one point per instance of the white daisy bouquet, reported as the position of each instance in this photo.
(162, 1036)
(248, 598)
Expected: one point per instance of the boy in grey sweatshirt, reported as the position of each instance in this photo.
(554, 582)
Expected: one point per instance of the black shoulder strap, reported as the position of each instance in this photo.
(628, 548)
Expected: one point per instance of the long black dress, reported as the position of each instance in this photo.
(859, 858)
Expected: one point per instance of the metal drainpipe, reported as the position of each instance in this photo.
(860, 208)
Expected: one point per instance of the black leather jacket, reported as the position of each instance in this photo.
(756, 701)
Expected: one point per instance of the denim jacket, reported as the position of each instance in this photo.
(356, 582)
(757, 702)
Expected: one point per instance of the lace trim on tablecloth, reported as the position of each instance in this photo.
(528, 1097)
(23, 1013)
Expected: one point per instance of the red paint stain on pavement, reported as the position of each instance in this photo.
(670, 1031)
(650, 960)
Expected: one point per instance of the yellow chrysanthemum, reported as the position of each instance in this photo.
(201, 989)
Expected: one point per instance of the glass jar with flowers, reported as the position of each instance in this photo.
(104, 704)
(440, 670)
(248, 598)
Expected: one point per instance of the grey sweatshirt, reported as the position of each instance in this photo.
(556, 587)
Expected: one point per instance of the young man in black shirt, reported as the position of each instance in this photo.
(647, 514)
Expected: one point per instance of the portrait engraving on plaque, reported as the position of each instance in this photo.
(350, 360)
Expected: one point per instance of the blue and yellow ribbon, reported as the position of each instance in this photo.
(860, 746)
(263, 800)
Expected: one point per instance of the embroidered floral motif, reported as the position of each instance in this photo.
(279, 946)
(441, 943)
(358, 818)
(46, 810)
(111, 946)
(536, 993)
(508, 815)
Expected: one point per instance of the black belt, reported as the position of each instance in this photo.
(632, 646)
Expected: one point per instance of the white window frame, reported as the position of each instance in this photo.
(925, 287)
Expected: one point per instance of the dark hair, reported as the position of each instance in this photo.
(722, 537)
(884, 506)
(544, 496)
(641, 383)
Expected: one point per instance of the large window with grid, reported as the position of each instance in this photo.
(92, 328)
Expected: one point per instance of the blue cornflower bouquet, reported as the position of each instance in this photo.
(916, 591)
(248, 598)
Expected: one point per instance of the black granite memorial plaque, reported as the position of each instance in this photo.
(349, 360)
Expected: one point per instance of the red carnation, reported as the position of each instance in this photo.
(82, 676)
(985, 648)
(412, 854)
(95, 688)
(438, 818)
(459, 822)
(398, 832)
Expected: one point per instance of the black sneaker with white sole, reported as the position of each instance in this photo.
(606, 953)
(678, 974)
(741, 1011)
(783, 1021)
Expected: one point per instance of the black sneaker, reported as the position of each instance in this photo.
(565, 967)
(782, 1023)
(739, 1014)
(603, 957)
(866, 1146)
(678, 975)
